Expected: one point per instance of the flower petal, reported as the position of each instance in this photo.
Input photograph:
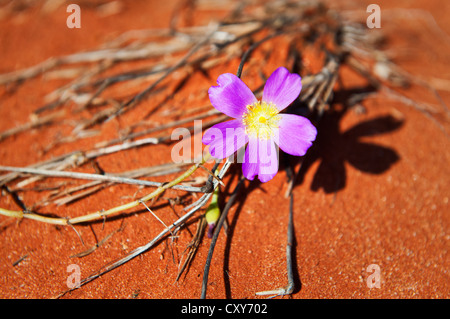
(225, 138)
(282, 88)
(250, 163)
(261, 158)
(295, 134)
(231, 96)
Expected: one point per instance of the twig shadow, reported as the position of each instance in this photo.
(295, 267)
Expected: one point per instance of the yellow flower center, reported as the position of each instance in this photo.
(261, 119)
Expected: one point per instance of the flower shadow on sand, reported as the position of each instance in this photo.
(334, 148)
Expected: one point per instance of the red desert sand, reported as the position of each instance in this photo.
(371, 201)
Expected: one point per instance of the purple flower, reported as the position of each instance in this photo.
(258, 123)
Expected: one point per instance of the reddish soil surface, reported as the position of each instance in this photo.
(375, 191)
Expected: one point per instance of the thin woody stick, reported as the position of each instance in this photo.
(95, 177)
(192, 247)
(287, 290)
(34, 123)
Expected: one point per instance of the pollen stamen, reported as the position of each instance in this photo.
(261, 119)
